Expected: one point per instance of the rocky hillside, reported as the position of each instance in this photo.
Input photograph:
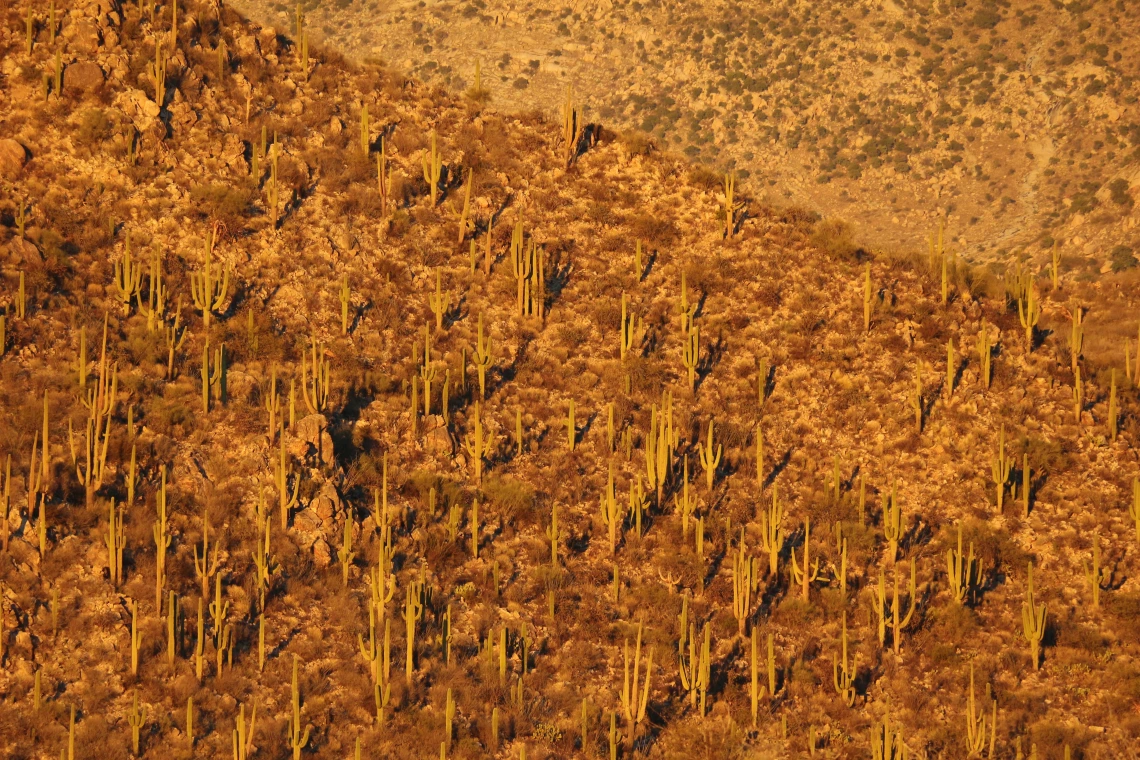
(340, 414)
(1018, 122)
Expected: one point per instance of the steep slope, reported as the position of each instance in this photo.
(499, 560)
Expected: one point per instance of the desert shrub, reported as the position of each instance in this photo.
(95, 127)
(1119, 192)
(834, 237)
(222, 202)
(1121, 258)
(511, 497)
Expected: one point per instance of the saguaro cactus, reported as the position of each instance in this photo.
(295, 737)
(710, 461)
(433, 168)
(207, 291)
(633, 703)
(1000, 467)
(843, 671)
(976, 723)
(961, 571)
(807, 574)
(1033, 618)
(771, 531)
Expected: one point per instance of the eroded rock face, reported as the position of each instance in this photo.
(313, 433)
(319, 526)
(12, 158)
(84, 76)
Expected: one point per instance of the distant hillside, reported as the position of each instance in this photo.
(1016, 121)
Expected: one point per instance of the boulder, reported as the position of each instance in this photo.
(22, 254)
(83, 76)
(12, 158)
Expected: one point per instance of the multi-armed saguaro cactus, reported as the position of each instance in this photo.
(743, 583)
(878, 607)
(128, 277)
(440, 302)
(985, 348)
(243, 733)
(432, 165)
(1095, 574)
(115, 541)
(213, 375)
(572, 127)
(155, 310)
(976, 723)
(710, 461)
(316, 393)
(1029, 312)
(483, 358)
(844, 671)
(633, 703)
(611, 512)
(962, 571)
(1033, 617)
(413, 612)
(208, 292)
(887, 742)
(691, 351)
(1076, 335)
(772, 532)
(478, 442)
(892, 522)
(1000, 467)
(295, 737)
(807, 574)
(631, 328)
(660, 442)
(135, 719)
(285, 500)
(696, 671)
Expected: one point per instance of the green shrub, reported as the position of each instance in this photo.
(1121, 258)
